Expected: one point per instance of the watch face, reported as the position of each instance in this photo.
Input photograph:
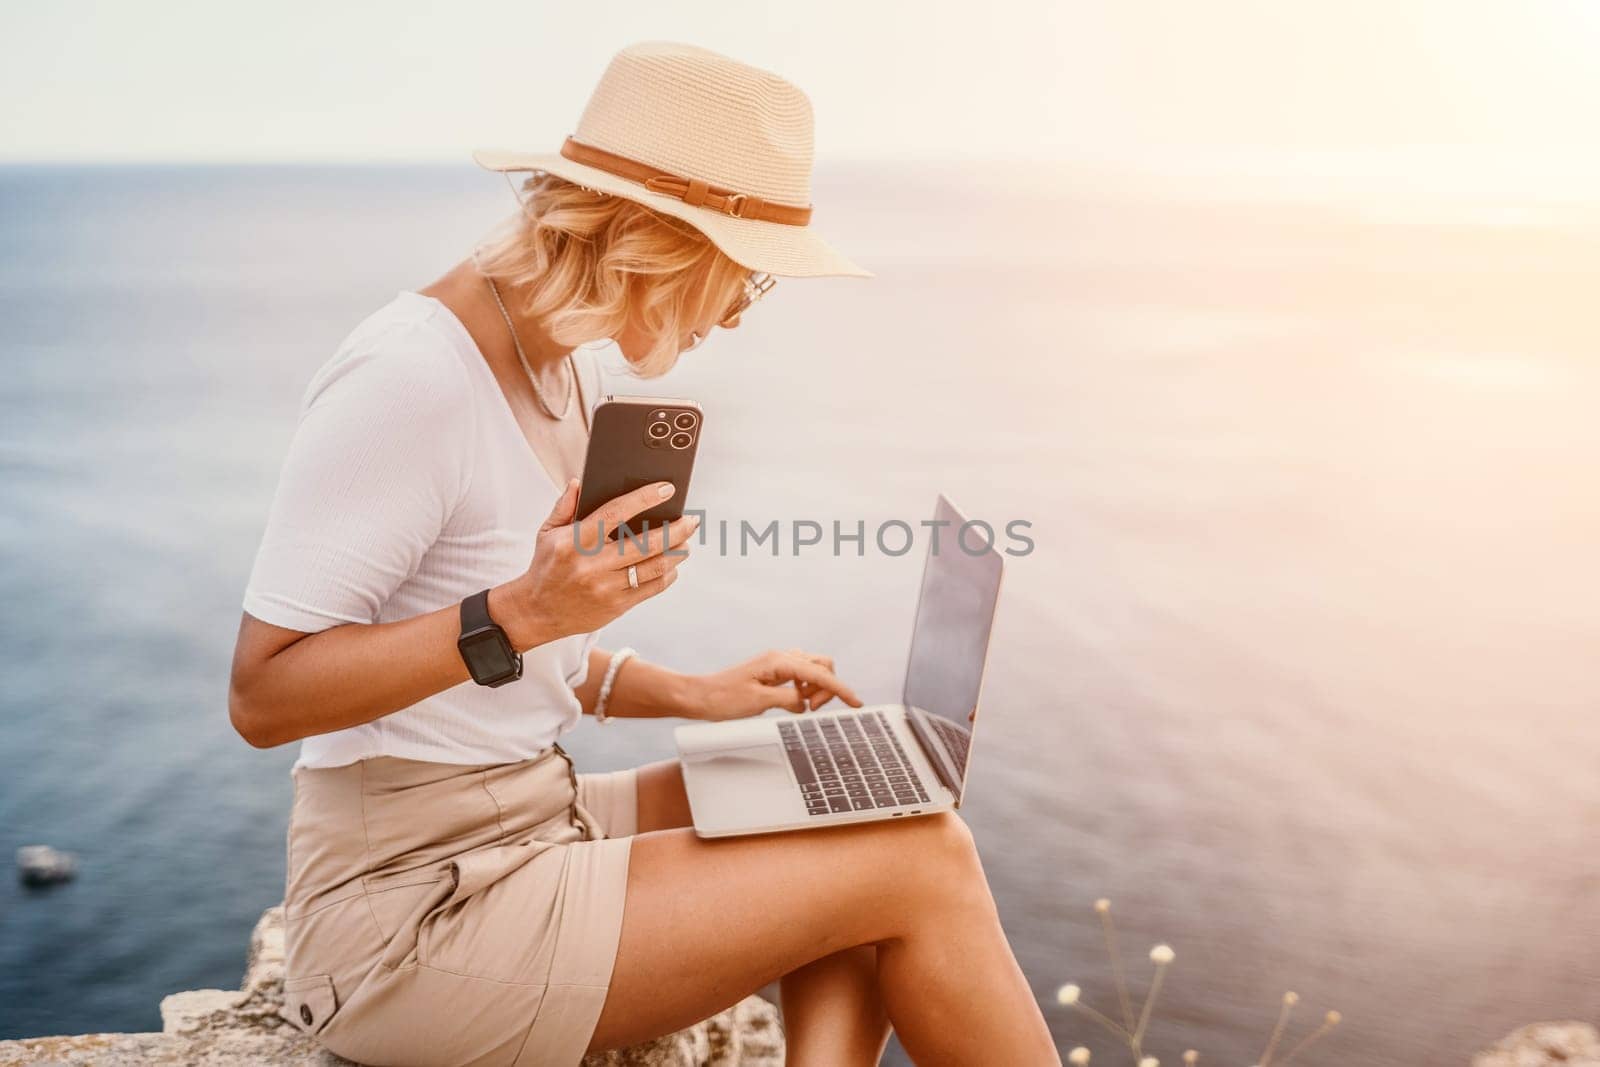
(487, 655)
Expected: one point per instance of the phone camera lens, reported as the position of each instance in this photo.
(685, 420)
(681, 440)
(658, 430)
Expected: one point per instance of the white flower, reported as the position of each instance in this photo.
(1102, 905)
(1068, 994)
(1078, 1056)
(1149, 1061)
(1162, 954)
(1291, 999)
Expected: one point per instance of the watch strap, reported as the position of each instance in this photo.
(475, 612)
(475, 619)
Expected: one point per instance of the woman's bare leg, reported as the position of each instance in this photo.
(663, 803)
(832, 1013)
(708, 922)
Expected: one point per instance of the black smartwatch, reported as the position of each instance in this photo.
(484, 646)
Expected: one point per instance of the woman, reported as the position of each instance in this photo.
(456, 893)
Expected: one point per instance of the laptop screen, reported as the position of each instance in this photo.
(960, 587)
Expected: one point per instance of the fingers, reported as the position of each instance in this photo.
(813, 698)
(658, 567)
(814, 657)
(655, 576)
(788, 698)
(615, 512)
(816, 698)
(789, 667)
(566, 504)
(804, 688)
(656, 541)
(653, 586)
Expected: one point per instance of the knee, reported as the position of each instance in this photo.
(927, 865)
(952, 831)
(947, 841)
(948, 875)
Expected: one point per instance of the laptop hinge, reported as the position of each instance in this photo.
(933, 750)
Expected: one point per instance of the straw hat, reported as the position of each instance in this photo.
(693, 134)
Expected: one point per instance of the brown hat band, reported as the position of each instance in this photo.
(691, 191)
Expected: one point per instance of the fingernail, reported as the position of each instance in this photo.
(666, 489)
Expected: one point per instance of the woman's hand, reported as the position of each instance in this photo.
(793, 680)
(567, 591)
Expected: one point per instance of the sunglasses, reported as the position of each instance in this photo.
(758, 285)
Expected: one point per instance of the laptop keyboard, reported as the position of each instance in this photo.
(853, 763)
(955, 739)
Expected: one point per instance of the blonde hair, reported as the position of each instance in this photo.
(588, 262)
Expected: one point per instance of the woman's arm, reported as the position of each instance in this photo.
(642, 690)
(793, 680)
(287, 684)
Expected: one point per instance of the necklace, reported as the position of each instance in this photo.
(572, 367)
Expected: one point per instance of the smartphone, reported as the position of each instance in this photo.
(635, 441)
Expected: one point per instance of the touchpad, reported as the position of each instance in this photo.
(743, 753)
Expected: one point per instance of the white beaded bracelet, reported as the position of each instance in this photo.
(618, 658)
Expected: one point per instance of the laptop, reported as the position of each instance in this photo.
(888, 761)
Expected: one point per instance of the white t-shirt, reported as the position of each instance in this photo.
(408, 487)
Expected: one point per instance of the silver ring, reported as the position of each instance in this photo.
(633, 576)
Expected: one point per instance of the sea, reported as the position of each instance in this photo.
(1302, 671)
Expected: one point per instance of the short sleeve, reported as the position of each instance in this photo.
(580, 673)
(379, 459)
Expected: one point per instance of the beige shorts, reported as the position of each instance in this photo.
(455, 914)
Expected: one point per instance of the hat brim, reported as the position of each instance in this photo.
(788, 251)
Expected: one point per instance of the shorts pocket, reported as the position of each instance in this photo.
(394, 898)
(500, 923)
(407, 910)
(309, 1002)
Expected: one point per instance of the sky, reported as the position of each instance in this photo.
(1477, 93)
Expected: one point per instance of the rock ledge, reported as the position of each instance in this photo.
(234, 1028)
(1564, 1044)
